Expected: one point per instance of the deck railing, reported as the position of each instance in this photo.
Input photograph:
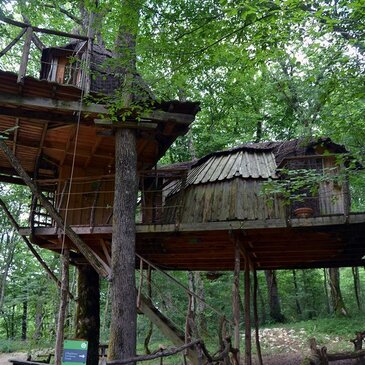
(25, 49)
(162, 199)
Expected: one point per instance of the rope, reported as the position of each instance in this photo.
(83, 82)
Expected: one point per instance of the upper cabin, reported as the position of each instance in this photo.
(53, 130)
(73, 63)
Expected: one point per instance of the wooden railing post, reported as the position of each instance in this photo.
(25, 55)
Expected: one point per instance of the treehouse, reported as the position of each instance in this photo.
(201, 215)
(188, 214)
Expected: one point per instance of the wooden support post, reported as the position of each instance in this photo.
(13, 42)
(236, 296)
(150, 325)
(31, 248)
(63, 307)
(248, 350)
(93, 208)
(88, 311)
(256, 317)
(140, 283)
(80, 245)
(25, 55)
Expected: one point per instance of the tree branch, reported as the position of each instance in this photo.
(64, 11)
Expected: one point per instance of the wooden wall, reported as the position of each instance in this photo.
(333, 195)
(235, 199)
(90, 202)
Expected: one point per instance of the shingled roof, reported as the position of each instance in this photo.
(295, 147)
(250, 160)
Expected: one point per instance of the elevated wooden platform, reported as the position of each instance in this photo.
(331, 241)
(42, 121)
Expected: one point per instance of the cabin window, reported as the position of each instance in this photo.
(64, 70)
(71, 72)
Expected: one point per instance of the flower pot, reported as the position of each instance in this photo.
(304, 212)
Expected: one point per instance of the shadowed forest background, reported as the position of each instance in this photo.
(262, 70)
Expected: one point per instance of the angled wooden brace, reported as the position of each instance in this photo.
(77, 241)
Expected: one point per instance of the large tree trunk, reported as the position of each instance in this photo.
(325, 286)
(24, 319)
(357, 287)
(123, 329)
(38, 319)
(88, 311)
(123, 293)
(8, 245)
(338, 304)
(273, 293)
(296, 290)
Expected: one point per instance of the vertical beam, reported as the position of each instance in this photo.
(63, 307)
(16, 133)
(248, 350)
(256, 317)
(80, 245)
(25, 55)
(88, 311)
(236, 296)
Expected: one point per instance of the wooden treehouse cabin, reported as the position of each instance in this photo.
(221, 196)
(200, 215)
(63, 147)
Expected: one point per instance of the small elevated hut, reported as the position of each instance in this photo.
(229, 185)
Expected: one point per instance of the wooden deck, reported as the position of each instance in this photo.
(273, 244)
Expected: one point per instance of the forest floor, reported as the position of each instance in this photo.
(274, 359)
(4, 357)
(280, 346)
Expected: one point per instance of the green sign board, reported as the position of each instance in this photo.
(74, 352)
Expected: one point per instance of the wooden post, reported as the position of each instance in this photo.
(236, 296)
(25, 55)
(13, 42)
(81, 246)
(256, 317)
(88, 311)
(248, 351)
(63, 307)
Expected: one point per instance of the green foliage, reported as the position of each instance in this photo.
(263, 70)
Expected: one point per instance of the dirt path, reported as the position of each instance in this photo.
(4, 357)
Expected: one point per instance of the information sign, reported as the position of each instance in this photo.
(74, 352)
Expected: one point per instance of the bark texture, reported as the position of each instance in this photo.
(357, 287)
(274, 300)
(338, 304)
(24, 320)
(122, 343)
(88, 311)
(123, 329)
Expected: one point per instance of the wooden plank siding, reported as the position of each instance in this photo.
(332, 194)
(235, 199)
(90, 199)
